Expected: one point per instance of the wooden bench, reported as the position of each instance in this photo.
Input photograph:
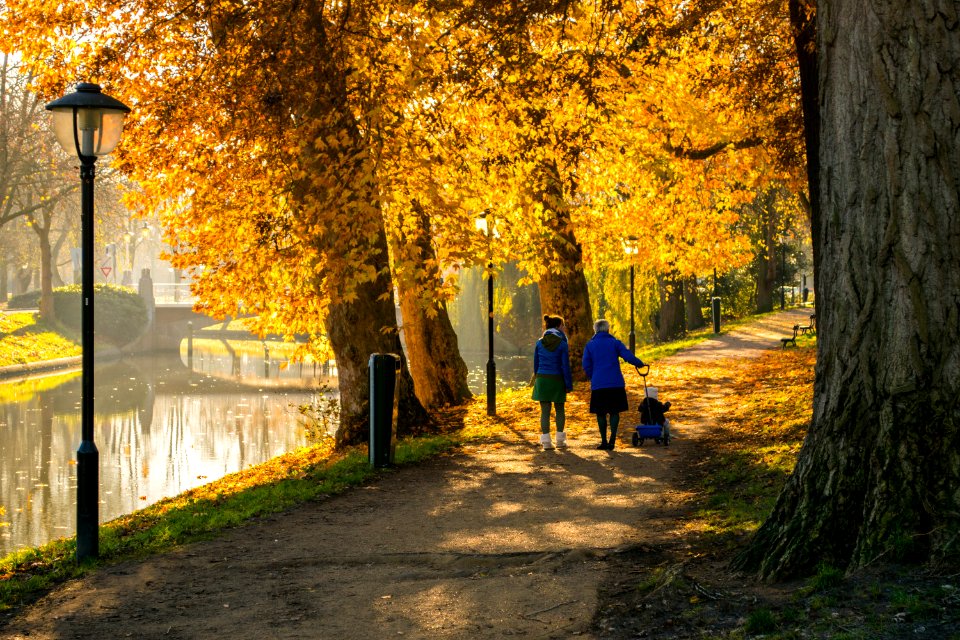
(810, 327)
(785, 341)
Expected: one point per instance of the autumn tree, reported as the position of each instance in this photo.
(439, 374)
(270, 191)
(877, 476)
(32, 187)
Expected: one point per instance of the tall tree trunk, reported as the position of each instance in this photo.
(563, 284)
(878, 473)
(692, 308)
(356, 330)
(803, 18)
(439, 372)
(767, 265)
(671, 308)
(42, 229)
(22, 278)
(366, 323)
(56, 279)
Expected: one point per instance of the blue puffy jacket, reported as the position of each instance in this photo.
(552, 356)
(601, 361)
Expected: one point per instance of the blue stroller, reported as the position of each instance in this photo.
(653, 422)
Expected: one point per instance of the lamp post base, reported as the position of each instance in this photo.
(491, 388)
(88, 501)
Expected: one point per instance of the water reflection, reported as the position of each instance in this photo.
(513, 372)
(160, 428)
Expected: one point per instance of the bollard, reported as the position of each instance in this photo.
(716, 314)
(384, 371)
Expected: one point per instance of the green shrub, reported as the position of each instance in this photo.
(760, 621)
(28, 300)
(120, 313)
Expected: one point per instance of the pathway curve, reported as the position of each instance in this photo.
(501, 539)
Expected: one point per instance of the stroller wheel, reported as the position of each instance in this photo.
(635, 439)
(658, 440)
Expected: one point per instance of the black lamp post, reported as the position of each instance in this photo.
(630, 248)
(87, 123)
(487, 228)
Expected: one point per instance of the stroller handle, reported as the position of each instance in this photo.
(646, 371)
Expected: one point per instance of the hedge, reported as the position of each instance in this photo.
(120, 312)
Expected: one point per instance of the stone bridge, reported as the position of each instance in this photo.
(171, 315)
(172, 318)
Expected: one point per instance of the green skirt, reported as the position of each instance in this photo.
(549, 388)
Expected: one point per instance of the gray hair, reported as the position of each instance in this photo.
(601, 325)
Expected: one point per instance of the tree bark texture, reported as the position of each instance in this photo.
(691, 302)
(562, 283)
(767, 263)
(439, 372)
(672, 323)
(878, 476)
(358, 329)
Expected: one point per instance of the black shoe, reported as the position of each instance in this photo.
(602, 445)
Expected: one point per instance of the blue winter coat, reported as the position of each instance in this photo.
(601, 361)
(552, 356)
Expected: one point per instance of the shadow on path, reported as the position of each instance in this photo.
(500, 539)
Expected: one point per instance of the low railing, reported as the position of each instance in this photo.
(172, 293)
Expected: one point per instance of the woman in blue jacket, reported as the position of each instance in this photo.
(608, 393)
(552, 378)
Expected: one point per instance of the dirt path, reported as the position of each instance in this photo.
(501, 539)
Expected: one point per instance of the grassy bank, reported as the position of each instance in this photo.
(25, 339)
(687, 590)
(737, 478)
(303, 475)
(306, 474)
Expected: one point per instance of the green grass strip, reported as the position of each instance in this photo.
(201, 514)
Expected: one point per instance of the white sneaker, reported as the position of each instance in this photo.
(545, 441)
(561, 440)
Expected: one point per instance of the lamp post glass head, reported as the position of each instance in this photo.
(630, 245)
(88, 122)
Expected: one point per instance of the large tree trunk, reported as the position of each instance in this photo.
(356, 330)
(562, 283)
(803, 18)
(691, 303)
(878, 473)
(365, 323)
(566, 295)
(671, 308)
(439, 372)
(767, 264)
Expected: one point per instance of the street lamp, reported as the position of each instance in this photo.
(88, 123)
(487, 229)
(630, 249)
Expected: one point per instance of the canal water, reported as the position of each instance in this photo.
(163, 424)
(160, 427)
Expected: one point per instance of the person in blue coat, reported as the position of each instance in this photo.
(608, 390)
(552, 378)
